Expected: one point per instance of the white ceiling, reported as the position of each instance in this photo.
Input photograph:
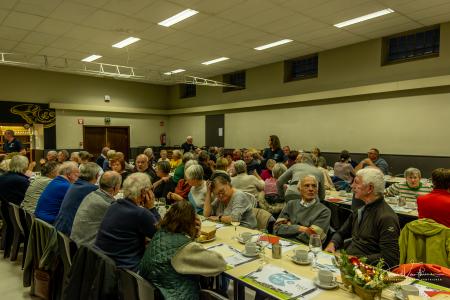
(68, 30)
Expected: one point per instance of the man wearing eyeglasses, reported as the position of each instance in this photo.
(373, 160)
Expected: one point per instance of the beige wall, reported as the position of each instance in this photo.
(144, 129)
(28, 85)
(349, 66)
(182, 126)
(400, 125)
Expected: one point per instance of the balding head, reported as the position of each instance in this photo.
(110, 182)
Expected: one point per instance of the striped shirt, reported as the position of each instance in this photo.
(403, 190)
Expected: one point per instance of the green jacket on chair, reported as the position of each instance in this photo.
(425, 241)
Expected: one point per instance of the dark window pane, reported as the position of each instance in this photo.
(301, 68)
(237, 79)
(188, 90)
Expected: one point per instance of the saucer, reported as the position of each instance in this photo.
(205, 241)
(240, 240)
(249, 255)
(333, 285)
(301, 262)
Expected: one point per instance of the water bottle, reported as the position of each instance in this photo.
(276, 250)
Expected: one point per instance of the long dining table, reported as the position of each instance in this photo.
(239, 274)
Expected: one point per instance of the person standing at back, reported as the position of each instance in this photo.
(188, 146)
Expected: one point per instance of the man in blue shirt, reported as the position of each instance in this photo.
(12, 144)
(51, 198)
(128, 222)
(374, 160)
(89, 173)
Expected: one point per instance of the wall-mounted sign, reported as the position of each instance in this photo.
(161, 123)
(80, 121)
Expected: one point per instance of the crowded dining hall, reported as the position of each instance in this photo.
(234, 149)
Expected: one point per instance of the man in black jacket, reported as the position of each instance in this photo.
(374, 228)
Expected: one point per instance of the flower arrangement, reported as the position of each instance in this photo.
(365, 280)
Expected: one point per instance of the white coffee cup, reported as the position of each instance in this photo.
(326, 277)
(251, 248)
(409, 290)
(245, 236)
(301, 255)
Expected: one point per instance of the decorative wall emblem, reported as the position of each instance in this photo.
(33, 113)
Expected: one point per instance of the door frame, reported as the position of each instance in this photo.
(106, 134)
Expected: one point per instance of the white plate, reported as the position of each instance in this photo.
(300, 262)
(249, 255)
(324, 286)
(206, 241)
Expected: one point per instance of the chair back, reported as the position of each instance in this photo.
(134, 287)
(263, 218)
(16, 214)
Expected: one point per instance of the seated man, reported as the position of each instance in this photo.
(93, 208)
(48, 172)
(374, 160)
(230, 204)
(374, 228)
(436, 205)
(101, 159)
(128, 222)
(143, 165)
(51, 198)
(300, 218)
(411, 188)
(89, 173)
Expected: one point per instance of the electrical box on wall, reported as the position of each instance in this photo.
(107, 120)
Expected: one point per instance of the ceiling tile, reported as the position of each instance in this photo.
(347, 12)
(3, 14)
(8, 4)
(387, 22)
(129, 7)
(271, 15)
(214, 7)
(281, 26)
(204, 24)
(176, 38)
(13, 34)
(151, 47)
(53, 26)
(159, 11)
(52, 52)
(7, 45)
(66, 43)
(40, 38)
(83, 33)
(76, 55)
(41, 8)
(21, 20)
(94, 3)
(27, 48)
(72, 12)
(155, 32)
(247, 9)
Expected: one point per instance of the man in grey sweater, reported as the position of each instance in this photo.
(301, 218)
(295, 173)
(93, 208)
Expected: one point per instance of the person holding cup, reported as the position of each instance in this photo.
(301, 218)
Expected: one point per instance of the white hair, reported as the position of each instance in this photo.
(278, 170)
(412, 171)
(67, 167)
(134, 184)
(194, 172)
(89, 171)
(308, 176)
(240, 166)
(18, 164)
(374, 177)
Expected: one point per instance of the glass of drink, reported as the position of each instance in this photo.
(263, 243)
(315, 246)
(235, 221)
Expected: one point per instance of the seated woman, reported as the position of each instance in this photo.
(175, 161)
(163, 156)
(118, 165)
(343, 170)
(321, 161)
(328, 182)
(252, 184)
(183, 187)
(267, 173)
(165, 184)
(222, 164)
(173, 262)
(411, 188)
(272, 202)
(229, 204)
(194, 176)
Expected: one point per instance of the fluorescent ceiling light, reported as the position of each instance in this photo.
(274, 44)
(187, 13)
(126, 42)
(174, 72)
(209, 62)
(364, 18)
(91, 58)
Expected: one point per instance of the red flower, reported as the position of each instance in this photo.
(355, 261)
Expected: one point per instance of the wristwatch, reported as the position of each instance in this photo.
(220, 218)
